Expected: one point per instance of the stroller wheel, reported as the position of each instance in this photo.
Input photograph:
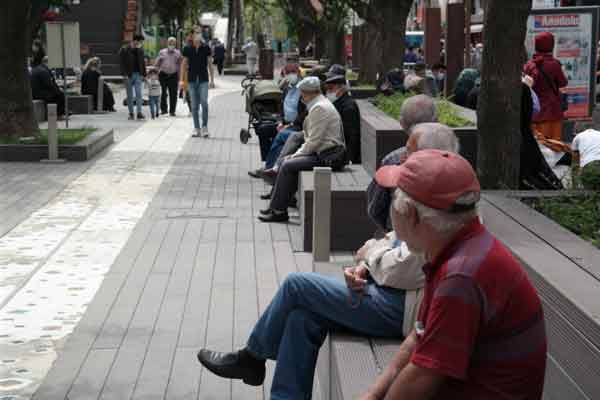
(244, 136)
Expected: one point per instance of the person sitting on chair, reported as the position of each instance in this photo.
(89, 85)
(44, 86)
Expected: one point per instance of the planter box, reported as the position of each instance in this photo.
(81, 104)
(85, 150)
(380, 134)
(361, 94)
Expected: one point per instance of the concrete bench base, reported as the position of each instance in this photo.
(83, 104)
(350, 225)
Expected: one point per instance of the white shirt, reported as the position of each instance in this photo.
(587, 143)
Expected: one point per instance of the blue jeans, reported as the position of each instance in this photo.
(276, 147)
(305, 308)
(154, 100)
(134, 84)
(199, 96)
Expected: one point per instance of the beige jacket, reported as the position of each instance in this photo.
(322, 128)
(398, 268)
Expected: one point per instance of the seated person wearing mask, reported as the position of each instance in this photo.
(323, 146)
(293, 116)
(44, 86)
(415, 110)
(337, 93)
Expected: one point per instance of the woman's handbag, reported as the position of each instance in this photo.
(334, 157)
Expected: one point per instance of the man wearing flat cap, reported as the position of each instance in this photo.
(337, 93)
(480, 330)
(323, 141)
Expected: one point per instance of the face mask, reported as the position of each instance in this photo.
(292, 78)
(171, 47)
(332, 96)
(441, 76)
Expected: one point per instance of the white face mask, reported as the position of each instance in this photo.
(332, 96)
(171, 47)
(292, 79)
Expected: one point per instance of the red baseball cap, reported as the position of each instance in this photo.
(438, 179)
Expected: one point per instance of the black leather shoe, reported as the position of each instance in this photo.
(274, 217)
(266, 196)
(256, 174)
(266, 211)
(236, 365)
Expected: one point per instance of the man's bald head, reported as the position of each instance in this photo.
(417, 110)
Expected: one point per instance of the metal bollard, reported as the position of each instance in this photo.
(321, 243)
(100, 97)
(52, 135)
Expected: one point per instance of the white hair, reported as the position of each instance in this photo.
(435, 136)
(443, 222)
(417, 109)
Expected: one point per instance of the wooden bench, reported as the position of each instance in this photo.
(380, 135)
(81, 104)
(566, 273)
(350, 225)
(40, 111)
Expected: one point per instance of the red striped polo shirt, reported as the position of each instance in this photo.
(481, 322)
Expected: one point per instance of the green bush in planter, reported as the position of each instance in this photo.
(447, 113)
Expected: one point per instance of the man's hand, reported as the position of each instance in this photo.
(281, 127)
(356, 277)
(211, 85)
(181, 84)
(368, 396)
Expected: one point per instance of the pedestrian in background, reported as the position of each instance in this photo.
(548, 78)
(251, 51)
(154, 91)
(133, 69)
(219, 55)
(197, 66)
(168, 63)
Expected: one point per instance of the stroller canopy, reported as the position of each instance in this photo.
(265, 90)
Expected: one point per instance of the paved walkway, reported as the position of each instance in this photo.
(165, 255)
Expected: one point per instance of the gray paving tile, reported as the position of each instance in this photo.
(91, 378)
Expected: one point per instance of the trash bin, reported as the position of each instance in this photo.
(266, 63)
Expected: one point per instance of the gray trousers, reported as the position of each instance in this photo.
(286, 184)
(292, 144)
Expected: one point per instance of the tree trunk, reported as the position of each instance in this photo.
(305, 35)
(368, 54)
(230, 32)
(239, 23)
(391, 33)
(500, 97)
(16, 107)
(334, 45)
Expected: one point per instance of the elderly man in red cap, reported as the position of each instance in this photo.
(480, 331)
(548, 78)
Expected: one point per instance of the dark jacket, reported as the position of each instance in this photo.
(298, 124)
(346, 106)
(89, 86)
(219, 52)
(127, 60)
(43, 84)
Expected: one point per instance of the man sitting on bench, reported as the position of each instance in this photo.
(415, 110)
(380, 298)
(480, 329)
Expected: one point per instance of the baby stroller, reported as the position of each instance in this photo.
(263, 104)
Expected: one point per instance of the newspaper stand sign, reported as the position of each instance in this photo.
(575, 30)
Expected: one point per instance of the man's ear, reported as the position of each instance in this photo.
(412, 216)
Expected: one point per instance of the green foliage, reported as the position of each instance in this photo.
(65, 137)
(579, 214)
(447, 113)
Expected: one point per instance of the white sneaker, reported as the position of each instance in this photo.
(196, 133)
(205, 132)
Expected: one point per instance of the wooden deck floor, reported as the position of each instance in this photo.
(197, 271)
